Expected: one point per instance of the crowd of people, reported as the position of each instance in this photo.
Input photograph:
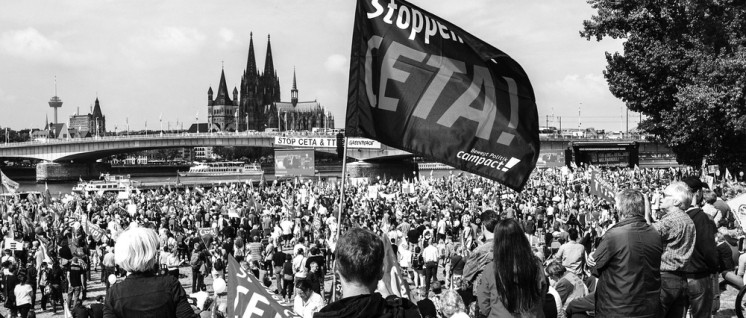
(467, 246)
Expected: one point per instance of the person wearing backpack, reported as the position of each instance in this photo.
(418, 267)
(359, 249)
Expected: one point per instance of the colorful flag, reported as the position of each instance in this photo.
(248, 298)
(9, 185)
(424, 85)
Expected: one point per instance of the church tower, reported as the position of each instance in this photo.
(294, 91)
(250, 102)
(270, 81)
(222, 110)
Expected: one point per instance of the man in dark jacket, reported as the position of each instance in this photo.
(628, 261)
(360, 267)
(702, 267)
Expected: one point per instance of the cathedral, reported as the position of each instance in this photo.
(259, 105)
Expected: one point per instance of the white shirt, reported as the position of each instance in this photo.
(430, 254)
(23, 294)
(306, 309)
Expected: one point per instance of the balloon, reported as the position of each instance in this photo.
(218, 285)
(112, 279)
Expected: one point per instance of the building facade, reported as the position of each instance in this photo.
(259, 105)
(93, 123)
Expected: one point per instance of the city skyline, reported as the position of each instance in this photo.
(144, 59)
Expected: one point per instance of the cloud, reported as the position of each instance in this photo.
(169, 40)
(226, 35)
(159, 46)
(337, 63)
(592, 84)
(30, 44)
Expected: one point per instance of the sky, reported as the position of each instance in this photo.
(146, 60)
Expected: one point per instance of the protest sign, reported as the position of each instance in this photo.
(602, 188)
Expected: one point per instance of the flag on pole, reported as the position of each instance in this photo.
(47, 195)
(428, 87)
(392, 273)
(728, 176)
(248, 298)
(9, 184)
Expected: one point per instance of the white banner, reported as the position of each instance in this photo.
(316, 142)
(320, 142)
(363, 143)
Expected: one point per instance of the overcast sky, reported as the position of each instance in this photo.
(145, 58)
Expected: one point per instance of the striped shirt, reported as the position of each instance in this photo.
(678, 234)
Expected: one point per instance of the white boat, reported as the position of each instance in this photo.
(221, 169)
(110, 183)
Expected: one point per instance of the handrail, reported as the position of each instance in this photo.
(159, 136)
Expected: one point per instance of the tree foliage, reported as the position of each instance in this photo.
(684, 67)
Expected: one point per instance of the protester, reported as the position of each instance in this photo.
(359, 263)
(482, 256)
(514, 284)
(23, 297)
(702, 267)
(677, 233)
(143, 293)
(628, 263)
(307, 301)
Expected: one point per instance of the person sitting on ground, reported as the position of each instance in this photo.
(359, 257)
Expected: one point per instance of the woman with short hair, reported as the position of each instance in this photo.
(142, 293)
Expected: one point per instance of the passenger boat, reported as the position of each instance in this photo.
(222, 169)
(109, 183)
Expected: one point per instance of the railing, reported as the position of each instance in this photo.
(160, 136)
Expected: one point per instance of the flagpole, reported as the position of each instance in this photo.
(339, 217)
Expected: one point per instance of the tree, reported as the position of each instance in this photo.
(684, 67)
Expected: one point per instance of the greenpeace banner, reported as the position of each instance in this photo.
(602, 188)
(424, 85)
(248, 298)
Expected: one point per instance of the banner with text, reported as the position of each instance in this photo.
(423, 85)
(248, 298)
(602, 188)
(294, 163)
(318, 142)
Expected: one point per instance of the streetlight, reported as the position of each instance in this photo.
(196, 120)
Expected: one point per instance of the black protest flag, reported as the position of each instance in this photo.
(248, 298)
(424, 85)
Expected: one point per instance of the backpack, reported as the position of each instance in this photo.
(219, 266)
(418, 261)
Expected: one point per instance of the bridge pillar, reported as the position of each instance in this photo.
(53, 171)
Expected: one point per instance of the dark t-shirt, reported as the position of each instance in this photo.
(413, 235)
(278, 258)
(75, 275)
